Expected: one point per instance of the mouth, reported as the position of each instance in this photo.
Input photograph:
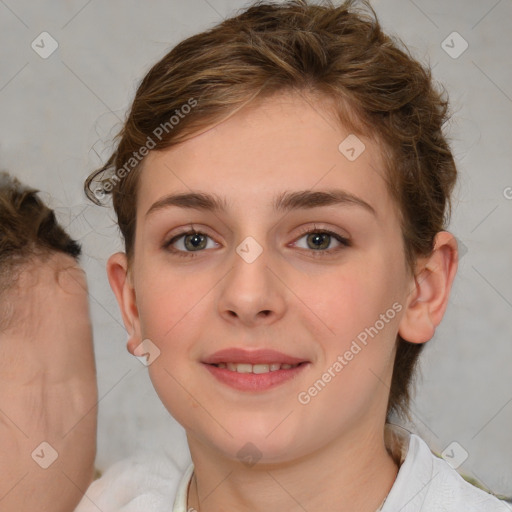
(258, 368)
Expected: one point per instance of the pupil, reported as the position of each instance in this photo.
(320, 238)
(195, 240)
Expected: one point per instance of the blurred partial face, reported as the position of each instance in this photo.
(48, 382)
(303, 256)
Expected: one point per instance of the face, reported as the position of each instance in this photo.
(303, 256)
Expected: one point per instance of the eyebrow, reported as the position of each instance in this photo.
(284, 202)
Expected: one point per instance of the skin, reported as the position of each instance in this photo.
(49, 391)
(328, 454)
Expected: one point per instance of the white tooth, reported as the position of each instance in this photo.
(256, 368)
(260, 368)
(244, 368)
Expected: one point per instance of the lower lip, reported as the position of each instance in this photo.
(254, 381)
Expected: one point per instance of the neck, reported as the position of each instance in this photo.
(354, 473)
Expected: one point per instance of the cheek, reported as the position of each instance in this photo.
(168, 301)
(361, 306)
(349, 299)
(172, 310)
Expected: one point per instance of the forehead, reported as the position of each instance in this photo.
(285, 142)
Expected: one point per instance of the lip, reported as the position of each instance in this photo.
(253, 381)
(261, 356)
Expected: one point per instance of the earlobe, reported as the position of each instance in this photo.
(428, 299)
(120, 282)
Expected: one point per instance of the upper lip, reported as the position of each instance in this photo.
(262, 356)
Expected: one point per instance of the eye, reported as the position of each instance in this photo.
(320, 240)
(189, 242)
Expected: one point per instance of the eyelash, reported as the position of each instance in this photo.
(345, 242)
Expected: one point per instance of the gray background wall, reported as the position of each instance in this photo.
(58, 115)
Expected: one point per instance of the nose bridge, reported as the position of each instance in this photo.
(251, 290)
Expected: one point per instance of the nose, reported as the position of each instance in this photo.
(252, 293)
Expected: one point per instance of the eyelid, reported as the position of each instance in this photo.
(341, 239)
(189, 230)
(319, 229)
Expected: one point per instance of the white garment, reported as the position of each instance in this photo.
(425, 483)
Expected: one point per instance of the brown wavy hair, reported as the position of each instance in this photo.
(339, 53)
(28, 230)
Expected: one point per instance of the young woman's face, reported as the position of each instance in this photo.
(262, 274)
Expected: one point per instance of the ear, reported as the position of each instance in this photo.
(120, 282)
(428, 299)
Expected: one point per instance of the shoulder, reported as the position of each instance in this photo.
(428, 483)
(449, 491)
(142, 482)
